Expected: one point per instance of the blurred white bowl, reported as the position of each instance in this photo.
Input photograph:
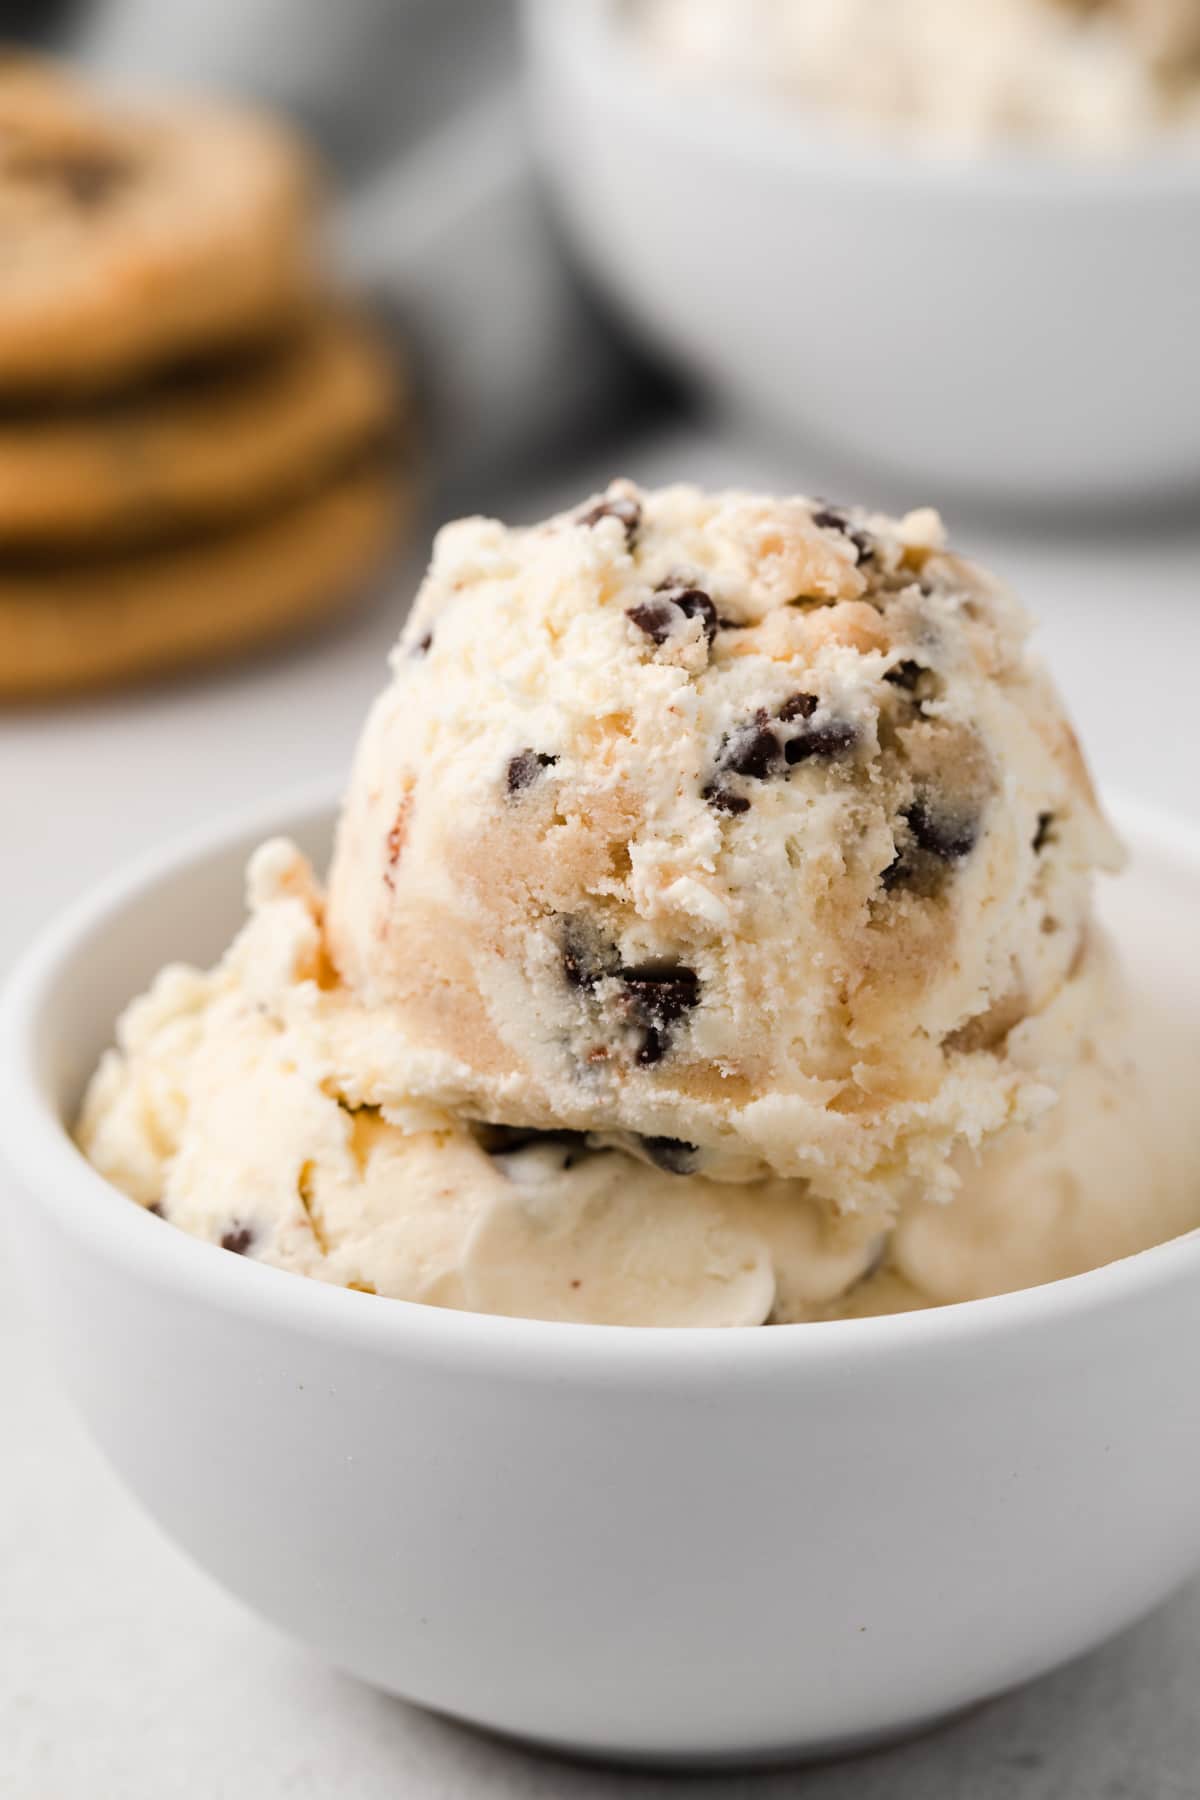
(688, 1545)
(1018, 326)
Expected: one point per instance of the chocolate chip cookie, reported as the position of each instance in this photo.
(226, 441)
(135, 235)
(70, 626)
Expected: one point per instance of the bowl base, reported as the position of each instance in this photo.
(786, 1754)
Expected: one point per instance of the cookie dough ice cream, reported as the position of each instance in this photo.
(1081, 74)
(708, 940)
(742, 824)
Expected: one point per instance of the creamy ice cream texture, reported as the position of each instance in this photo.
(708, 940)
(1082, 74)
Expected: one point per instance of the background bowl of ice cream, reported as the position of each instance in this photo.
(650, 1544)
(1013, 322)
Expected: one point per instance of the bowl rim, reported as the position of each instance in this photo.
(53, 1173)
(606, 55)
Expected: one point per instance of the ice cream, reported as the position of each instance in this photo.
(237, 1107)
(739, 823)
(708, 940)
(1080, 74)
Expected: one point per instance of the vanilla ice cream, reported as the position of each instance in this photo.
(1080, 74)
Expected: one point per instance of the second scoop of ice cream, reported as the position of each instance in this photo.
(743, 831)
(241, 1106)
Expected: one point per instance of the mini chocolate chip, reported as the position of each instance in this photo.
(658, 996)
(665, 993)
(525, 767)
(238, 1239)
(93, 180)
(753, 750)
(948, 836)
(832, 518)
(424, 644)
(620, 507)
(155, 1207)
(1045, 826)
(660, 618)
(722, 799)
(88, 177)
(834, 738)
(657, 618)
(906, 675)
(800, 706)
(899, 872)
(694, 603)
(587, 956)
(510, 1140)
(671, 1154)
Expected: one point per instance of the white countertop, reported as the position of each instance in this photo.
(124, 1674)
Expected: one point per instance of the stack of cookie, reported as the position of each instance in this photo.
(197, 443)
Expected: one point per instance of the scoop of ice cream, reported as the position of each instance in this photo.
(1083, 74)
(743, 824)
(239, 1105)
(242, 1106)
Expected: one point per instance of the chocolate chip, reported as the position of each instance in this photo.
(657, 618)
(155, 1207)
(694, 603)
(657, 998)
(1045, 826)
(947, 835)
(620, 507)
(671, 1154)
(755, 750)
(664, 994)
(424, 644)
(525, 767)
(832, 739)
(587, 956)
(752, 751)
(92, 180)
(900, 872)
(906, 675)
(832, 518)
(511, 1140)
(722, 799)
(238, 1239)
(89, 178)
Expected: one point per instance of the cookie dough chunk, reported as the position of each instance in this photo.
(132, 237)
(746, 824)
(229, 441)
(74, 626)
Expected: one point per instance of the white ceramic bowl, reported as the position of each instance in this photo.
(1019, 326)
(634, 1543)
